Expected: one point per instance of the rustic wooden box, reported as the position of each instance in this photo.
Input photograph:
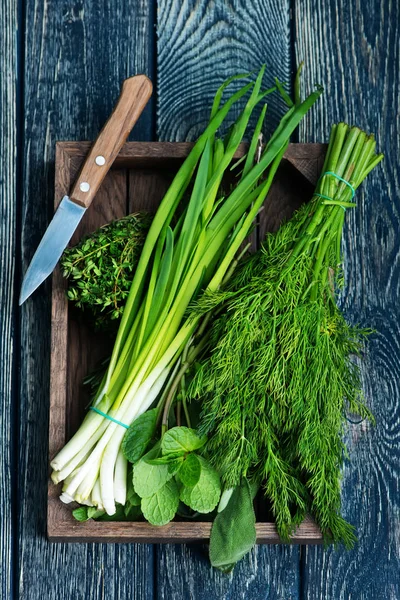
(138, 181)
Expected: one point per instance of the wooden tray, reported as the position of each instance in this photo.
(138, 180)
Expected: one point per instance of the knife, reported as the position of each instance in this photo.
(135, 93)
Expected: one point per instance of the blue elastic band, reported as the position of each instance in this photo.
(340, 179)
(109, 417)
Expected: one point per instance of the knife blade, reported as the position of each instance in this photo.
(134, 96)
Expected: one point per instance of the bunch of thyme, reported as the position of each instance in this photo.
(279, 377)
(100, 268)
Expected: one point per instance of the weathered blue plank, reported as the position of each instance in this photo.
(76, 56)
(353, 50)
(8, 219)
(200, 44)
(267, 573)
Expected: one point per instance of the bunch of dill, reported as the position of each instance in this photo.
(100, 268)
(280, 375)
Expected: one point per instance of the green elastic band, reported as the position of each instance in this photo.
(330, 199)
(109, 417)
(353, 191)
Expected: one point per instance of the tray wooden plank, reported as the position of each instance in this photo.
(138, 181)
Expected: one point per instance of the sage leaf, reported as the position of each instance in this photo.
(139, 435)
(161, 506)
(189, 471)
(203, 497)
(233, 533)
(181, 440)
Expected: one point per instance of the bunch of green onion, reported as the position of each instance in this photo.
(191, 244)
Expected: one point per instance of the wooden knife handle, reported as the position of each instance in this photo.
(134, 96)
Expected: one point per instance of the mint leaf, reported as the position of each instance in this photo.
(181, 440)
(80, 514)
(94, 513)
(166, 460)
(139, 435)
(148, 478)
(189, 472)
(174, 466)
(161, 507)
(233, 533)
(132, 498)
(203, 497)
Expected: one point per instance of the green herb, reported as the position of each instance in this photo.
(161, 507)
(203, 497)
(122, 513)
(100, 268)
(139, 435)
(158, 479)
(149, 478)
(190, 470)
(81, 513)
(233, 533)
(181, 439)
(280, 374)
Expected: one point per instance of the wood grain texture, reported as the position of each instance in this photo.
(8, 221)
(184, 571)
(135, 93)
(353, 50)
(76, 57)
(63, 527)
(200, 44)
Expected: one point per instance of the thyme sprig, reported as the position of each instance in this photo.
(100, 268)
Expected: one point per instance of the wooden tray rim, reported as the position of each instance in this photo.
(61, 526)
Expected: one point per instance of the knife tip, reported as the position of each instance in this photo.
(23, 295)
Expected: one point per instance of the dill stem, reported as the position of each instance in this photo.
(332, 226)
(194, 353)
(178, 413)
(184, 401)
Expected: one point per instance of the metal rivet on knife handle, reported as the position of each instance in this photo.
(84, 186)
(100, 160)
(133, 98)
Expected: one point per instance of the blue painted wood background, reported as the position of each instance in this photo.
(61, 65)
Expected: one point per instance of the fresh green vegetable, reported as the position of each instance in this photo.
(100, 268)
(172, 472)
(204, 495)
(160, 507)
(139, 435)
(190, 246)
(280, 374)
(233, 532)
